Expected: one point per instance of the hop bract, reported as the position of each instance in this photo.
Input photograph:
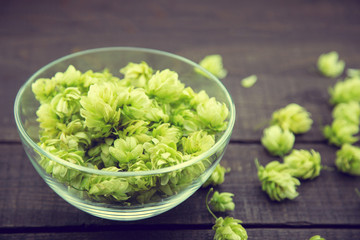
(293, 117)
(329, 64)
(303, 164)
(229, 228)
(277, 141)
(348, 159)
(277, 181)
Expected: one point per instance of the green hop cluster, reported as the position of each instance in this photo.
(348, 159)
(221, 202)
(217, 177)
(277, 141)
(214, 64)
(229, 228)
(293, 117)
(145, 121)
(317, 237)
(329, 64)
(303, 164)
(277, 181)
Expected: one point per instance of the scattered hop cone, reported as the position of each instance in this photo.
(277, 181)
(304, 164)
(349, 111)
(214, 64)
(345, 91)
(221, 202)
(341, 132)
(348, 159)
(277, 141)
(229, 228)
(329, 64)
(293, 117)
(317, 237)
(217, 177)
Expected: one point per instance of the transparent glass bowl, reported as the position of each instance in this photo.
(114, 58)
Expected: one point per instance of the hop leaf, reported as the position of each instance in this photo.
(303, 164)
(165, 86)
(217, 177)
(229, 228)
(317, 237)
(137, 73)
(345, 91)
(329, 64)
(348, 159)
(221, 202)
(277, 181)
(293, 117)
(214, 64)
(277, 141)
(341, 132)
(213, 114)
(349, 111)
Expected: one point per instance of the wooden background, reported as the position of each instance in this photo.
(279, 41)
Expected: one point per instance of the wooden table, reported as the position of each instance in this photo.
(279, 41)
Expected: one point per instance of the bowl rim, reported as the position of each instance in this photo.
(222, 140)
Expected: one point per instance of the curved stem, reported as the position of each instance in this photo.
(207, 203)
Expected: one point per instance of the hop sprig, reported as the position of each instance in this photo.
(277, 141)
(277, 181)
(329, 64)
(226, 228)
(303, 164)
(348, 159)
(293, 117)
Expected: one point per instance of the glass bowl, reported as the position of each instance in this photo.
(154, 201)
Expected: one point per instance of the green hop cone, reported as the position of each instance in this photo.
(348, 159)
(165, 86)
(349, 111)
(214, 64)
(229, 228)
(277, 141)
(277, 181)
(213, 114)
(221, 202)
(137, 73)
(340, 132)
(293, 117)
(217, 177)
(317, 237)
(345, 91)
(303, 164)
(329, 64)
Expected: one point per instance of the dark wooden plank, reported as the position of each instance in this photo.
(279, 42)
(330, 199)
(253, 233)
